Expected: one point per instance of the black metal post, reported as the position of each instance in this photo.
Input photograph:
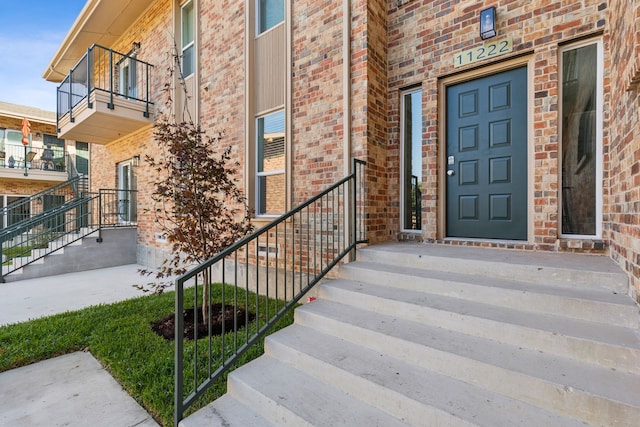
(25, 161)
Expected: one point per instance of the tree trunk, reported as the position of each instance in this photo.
(205, 295)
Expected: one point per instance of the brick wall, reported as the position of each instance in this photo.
(317, 97)
(394, 46)
(622, 201)
(424, 36)
(221, 100)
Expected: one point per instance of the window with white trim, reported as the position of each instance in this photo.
(581, 67)
(269, 14)
(270, 164)
(187, 38)
(411, 161)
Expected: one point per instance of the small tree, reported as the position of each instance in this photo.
(196, 202)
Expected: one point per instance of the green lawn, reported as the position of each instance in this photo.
(120, 337)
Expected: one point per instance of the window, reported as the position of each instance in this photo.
(14, 137)
(411, 162)
(128, 78)
(581, 131)
(53, 157)
(82, 157)
(53, 141)
(125, 206)
(187, 40)
(19, 213)
(270, 13)
(270, 164)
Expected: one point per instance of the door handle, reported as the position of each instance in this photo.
(451, 172)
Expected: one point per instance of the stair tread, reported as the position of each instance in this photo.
(590, 294)
(415, 383)
(225, 412)
(295, 390)
(561, 269)
(621, 386)
(534, 259)
(608, 334)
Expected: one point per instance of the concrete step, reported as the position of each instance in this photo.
(570, 270)
(435, 335)
(228, 411)
(289, 397)
(590, 304)
(587, 392)
(608, 345)
(403, 389)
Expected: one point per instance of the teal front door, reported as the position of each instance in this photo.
(486, 157)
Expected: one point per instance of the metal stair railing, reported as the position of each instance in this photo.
(281, 261)
(28, 207)
(30, 240)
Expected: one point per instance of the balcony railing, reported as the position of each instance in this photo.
(17, 156)
(104, 75)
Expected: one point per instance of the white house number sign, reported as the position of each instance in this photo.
(489, 49)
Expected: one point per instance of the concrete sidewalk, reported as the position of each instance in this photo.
(70, 390)
(74, 389)
(32, 298)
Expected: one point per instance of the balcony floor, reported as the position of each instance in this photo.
(102, 125)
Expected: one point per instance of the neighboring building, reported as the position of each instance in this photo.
(43, 163)
(527, 140)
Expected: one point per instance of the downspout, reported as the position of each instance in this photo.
(346, 86)
(346, 117)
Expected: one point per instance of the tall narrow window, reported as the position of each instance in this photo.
(187, 39)
(82, 157)
(128, 78)
(581, 139)
(125, 207)
(270, 164)
(270, 13)
(55, 156)
(411, 162)
(18, 214)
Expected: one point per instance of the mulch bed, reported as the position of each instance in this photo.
(165, 327)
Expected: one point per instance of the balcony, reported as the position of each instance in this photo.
(105, 97)
(33, 162)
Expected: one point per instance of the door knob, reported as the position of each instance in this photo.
(451, 172)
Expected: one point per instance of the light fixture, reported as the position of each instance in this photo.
(135, 161)
(488, 23)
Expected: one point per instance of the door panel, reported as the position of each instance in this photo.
(487, 157)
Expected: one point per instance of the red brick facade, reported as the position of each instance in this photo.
(394, 46)
(622, 164)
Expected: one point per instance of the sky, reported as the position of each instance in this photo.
(30, 34)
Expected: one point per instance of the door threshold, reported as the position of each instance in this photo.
(488, 243)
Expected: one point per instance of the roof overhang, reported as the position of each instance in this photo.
(33, 114)
(100, 22)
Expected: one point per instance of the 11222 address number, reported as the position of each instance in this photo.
(488, 50)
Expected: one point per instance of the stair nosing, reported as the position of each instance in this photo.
(462, 308)
(420, 374)
(313, 310)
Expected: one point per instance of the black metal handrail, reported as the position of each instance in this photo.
(281, 261)
(103, 69)
(416, 204)
(28, 241)
(28, 207)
